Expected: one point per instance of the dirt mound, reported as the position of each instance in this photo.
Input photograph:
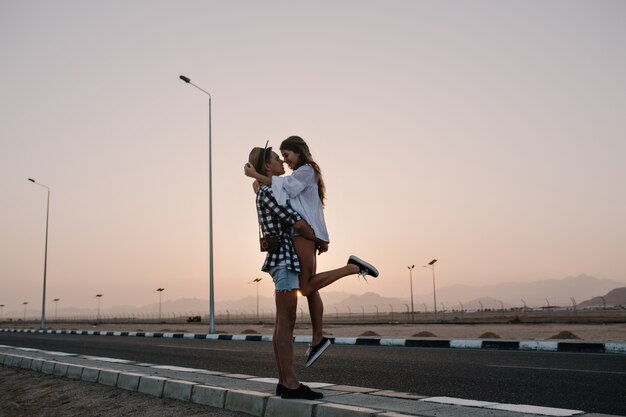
(565, 335)
(489, 335)
(424, 334)
(369, 333)
(249, 331)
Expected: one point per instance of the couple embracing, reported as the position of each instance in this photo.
(291, 207)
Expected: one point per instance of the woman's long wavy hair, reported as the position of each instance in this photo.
(297, 145)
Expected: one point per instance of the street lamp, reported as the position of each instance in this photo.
(98, 296)
(160, 290)
(56, 305)
(25, 304)
(211, 295)
(256, 281)
(1, 308)
(411, 280)
(431, 265)
(45, 258)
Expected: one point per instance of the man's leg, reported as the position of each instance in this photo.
(275, 347)
(286, 303)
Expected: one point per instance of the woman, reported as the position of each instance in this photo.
(304, 191)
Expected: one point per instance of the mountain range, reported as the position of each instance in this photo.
(584, 290)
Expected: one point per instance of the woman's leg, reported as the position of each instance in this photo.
(310, 280)
(308, 264)
(316, 311)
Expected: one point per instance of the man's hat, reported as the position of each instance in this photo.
(258, 156)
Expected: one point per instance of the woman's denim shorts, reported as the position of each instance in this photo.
(284, 279)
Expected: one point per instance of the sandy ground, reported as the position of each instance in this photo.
(587, 332)
(26, 393)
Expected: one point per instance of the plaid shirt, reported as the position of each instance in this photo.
(275, 219)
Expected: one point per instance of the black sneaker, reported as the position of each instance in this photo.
(316, 351)
(301, 393)
(279, 389)
(366, 269)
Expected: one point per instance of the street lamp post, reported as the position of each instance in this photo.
(160, 290)
(25, 304)
(56, 305)
(1, 308)
(211, 295)
(98, 296)
(431, 265)
(256, 281)
(411, 280)
(45, 257)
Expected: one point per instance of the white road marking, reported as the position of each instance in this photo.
(558, 369)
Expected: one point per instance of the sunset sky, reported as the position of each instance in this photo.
(490, 135)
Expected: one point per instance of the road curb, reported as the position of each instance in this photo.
(489, 344)
(261, 404)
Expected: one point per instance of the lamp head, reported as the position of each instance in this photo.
(185, 79)
(432, 262)
(31, 180)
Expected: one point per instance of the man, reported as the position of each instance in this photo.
(284, 266)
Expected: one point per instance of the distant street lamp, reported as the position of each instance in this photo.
(160, 291)
(1, 308)
(211, 297)
(98, 296)
(431, 265)
(56, 305)
(25, 304)
(411, 280)
(45, 258)
(256, 281)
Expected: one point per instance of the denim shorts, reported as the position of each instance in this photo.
(284, 279)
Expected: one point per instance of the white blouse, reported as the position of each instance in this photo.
(300, 188)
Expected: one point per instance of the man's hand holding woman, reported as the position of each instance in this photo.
(322, 247)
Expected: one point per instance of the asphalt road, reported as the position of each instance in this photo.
(589, 382)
